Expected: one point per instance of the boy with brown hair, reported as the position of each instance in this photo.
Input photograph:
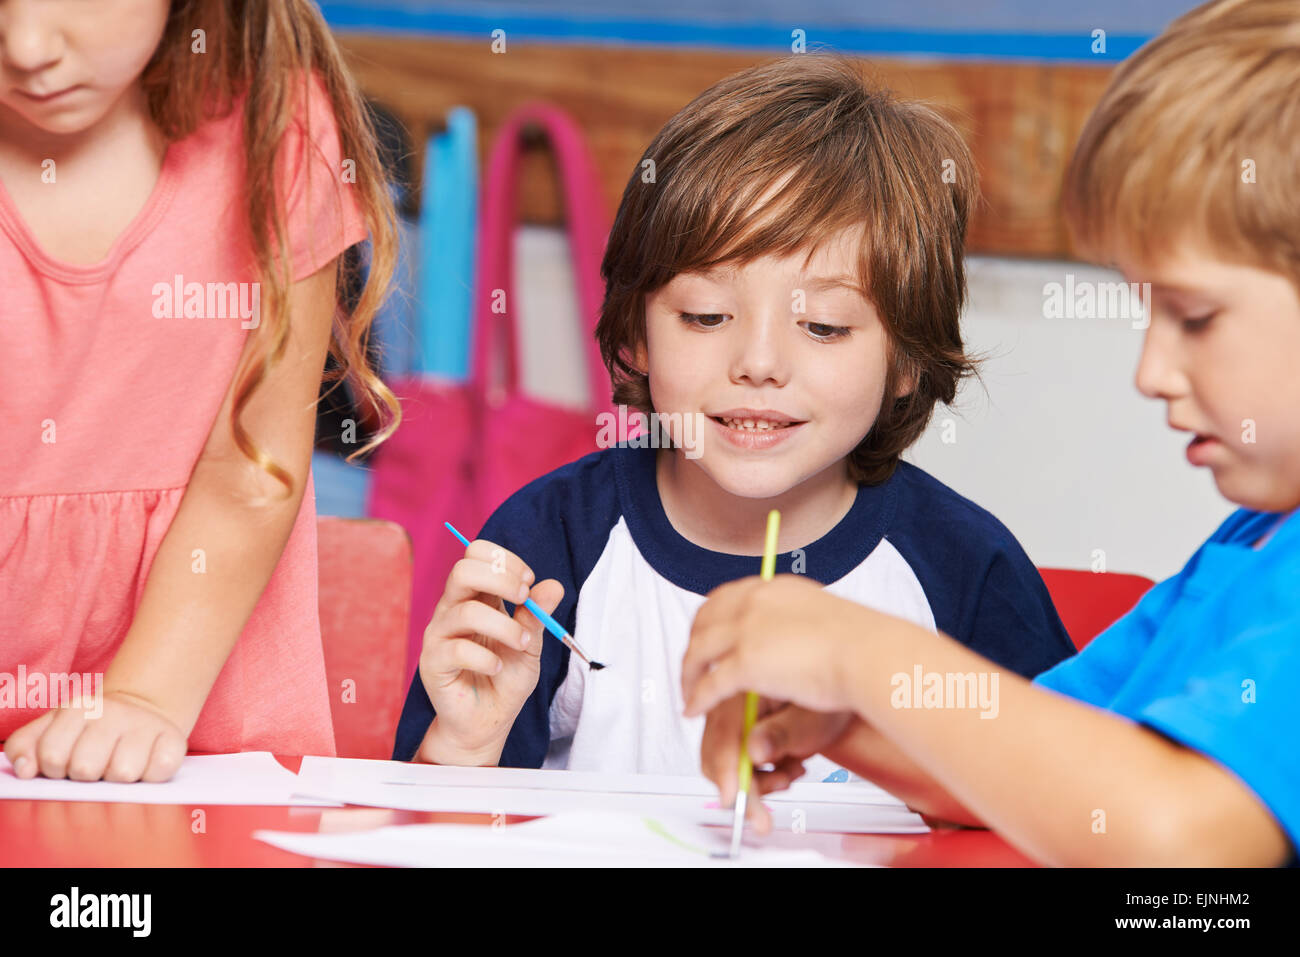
(784, 281)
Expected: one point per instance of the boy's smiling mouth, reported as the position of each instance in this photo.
(756, 429)
(754, 420)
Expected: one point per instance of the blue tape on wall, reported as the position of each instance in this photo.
(395, 16)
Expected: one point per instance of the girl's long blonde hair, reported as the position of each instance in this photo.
(263, 50)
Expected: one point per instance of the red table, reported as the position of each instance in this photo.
(90, 834)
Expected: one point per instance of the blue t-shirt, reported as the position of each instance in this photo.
(632, 585)
(1211, 659)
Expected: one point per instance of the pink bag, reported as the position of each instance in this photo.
(463, 449)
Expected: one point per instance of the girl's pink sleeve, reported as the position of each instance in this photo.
(323, 211)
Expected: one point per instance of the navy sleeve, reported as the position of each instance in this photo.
(982, 587)
(417, 715)
(556, 525)
(1016, 623)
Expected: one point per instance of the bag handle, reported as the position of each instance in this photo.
(587, 230)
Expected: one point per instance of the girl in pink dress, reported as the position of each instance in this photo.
(175, 193)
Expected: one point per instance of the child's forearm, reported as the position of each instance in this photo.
(206, 578)
(865, 751)
(1065, 782)
(219, 553)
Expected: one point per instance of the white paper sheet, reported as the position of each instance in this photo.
(250, 778)
(572, 839)
(848, 808)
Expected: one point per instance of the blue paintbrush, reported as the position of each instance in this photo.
(551, 624)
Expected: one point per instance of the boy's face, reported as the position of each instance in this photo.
(65, 63)
(771, 336)
(1222, 351)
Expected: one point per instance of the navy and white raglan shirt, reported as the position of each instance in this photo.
(910, 546)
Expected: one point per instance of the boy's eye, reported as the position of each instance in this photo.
(706, 319)
(825, 332)
(820, 331)
(1196, 323)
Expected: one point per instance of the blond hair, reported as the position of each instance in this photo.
(1198, 137)
(266, 51)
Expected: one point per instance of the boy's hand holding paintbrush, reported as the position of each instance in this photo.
(479, 664)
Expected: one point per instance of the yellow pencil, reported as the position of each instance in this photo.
(751, 699)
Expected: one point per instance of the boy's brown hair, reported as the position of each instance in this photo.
(1197, 138)
(844, 153)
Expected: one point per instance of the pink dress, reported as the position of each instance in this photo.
(107, 399)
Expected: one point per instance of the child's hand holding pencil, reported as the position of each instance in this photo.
(784, 736)
(787, 638)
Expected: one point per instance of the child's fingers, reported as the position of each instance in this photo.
(471, 577)
(464, 654)
(476, 618)
(709, 643)
(547, 594)
(720, 747)
(88, 759)
(794, 732)
(774, 737)
(783, 774)
(724, 679)
(501, 561)
(130, 756)
(56, 742)
(726, 602)
(164, 757)
(20, 747)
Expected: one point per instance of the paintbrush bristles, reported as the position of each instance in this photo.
(573, 646)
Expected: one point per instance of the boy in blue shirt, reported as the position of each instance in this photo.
(1170, 740)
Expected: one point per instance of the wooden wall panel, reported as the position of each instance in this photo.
(1021, 120)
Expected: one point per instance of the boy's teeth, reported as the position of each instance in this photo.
(753, 425)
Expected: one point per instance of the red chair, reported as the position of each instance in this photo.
(365, 604)
(1090, 602)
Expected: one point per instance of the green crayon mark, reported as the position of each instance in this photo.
(663, 832)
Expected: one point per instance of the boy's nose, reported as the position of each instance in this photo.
(1159, 371)
(759, 358)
